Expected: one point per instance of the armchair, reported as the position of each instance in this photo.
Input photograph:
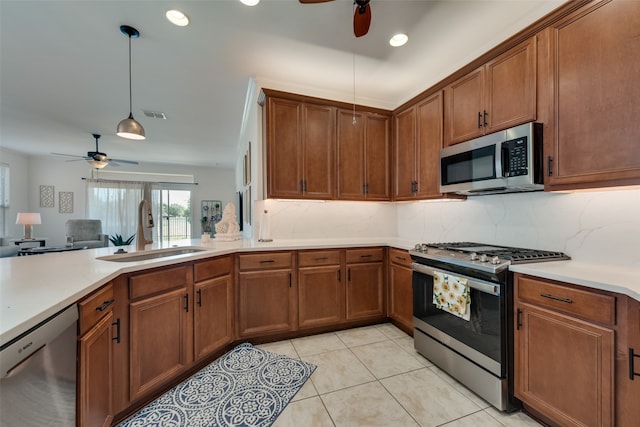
(86, 232)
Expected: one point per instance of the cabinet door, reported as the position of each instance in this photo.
(377, 157)
(319, 151)
(428, 145)
(365, 291)
(266, 302)
(628, 364)
(510, 95)
(564, 367)
(213, 315)
(404, 155)
(351, 152)
(592, 137)
(320, 296)
(284, 148)
(464, 103)
(159, 340)
(401, 295)
(95, 378)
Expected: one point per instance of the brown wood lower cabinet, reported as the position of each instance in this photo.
(564, 362)
(266, 294)
(400, 289)
(320, 288)
(365, 283)
(95, 362)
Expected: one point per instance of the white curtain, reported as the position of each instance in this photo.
(115, 203)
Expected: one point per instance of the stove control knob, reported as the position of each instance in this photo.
(418, 247)
(495, 260)
(483, 258)
(473, 256)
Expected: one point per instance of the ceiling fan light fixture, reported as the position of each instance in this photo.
(398, 40)
(178, 18)
(97, 164)
(129, 128)
(250, 2)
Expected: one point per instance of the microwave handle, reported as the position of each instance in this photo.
(505, 160)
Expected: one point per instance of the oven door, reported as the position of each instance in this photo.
(479, 339)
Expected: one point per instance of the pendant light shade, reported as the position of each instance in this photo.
(129, 128)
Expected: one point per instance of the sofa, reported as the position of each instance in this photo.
(86, 232)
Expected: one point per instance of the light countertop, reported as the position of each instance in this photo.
(33, 288)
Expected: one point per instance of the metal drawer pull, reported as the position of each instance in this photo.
(553, 297)
(266, 261)
(117, 325)
(632, 357)
(104, 305)
(366, 256)
(401, 258)
(324, 258)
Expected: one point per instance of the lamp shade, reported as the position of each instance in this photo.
(130, 128)
(28, 218)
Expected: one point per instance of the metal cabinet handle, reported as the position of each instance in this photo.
(186, 302)
(632, 372)
(548, 165)
(104, 305)
(401, 258)
(266, 261)
(553, 297)
(117, 325)
(366, 256)
(199, 292)
(485, 117)
(479, 119)
(322, 258)
(518, 322)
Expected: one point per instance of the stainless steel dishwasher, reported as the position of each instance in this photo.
(38, 376)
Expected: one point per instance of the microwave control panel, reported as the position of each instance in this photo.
(515, 157)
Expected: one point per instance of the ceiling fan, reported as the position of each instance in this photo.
(97, 159)
(361, 16)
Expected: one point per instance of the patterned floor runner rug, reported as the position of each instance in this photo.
(247, 386)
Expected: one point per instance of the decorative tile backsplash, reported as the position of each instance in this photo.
(589, 226)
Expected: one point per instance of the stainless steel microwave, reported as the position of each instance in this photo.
(503, 162)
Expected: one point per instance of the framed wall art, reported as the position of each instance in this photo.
(46, 196)
(65, 202)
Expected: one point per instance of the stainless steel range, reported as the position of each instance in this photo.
(463, 312)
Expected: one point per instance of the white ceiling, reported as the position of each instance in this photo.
(63, 65)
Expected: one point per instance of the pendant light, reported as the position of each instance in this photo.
(129, 128)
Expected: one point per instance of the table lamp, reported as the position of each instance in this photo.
(28, 219)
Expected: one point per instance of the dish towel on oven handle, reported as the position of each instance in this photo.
(451, 294)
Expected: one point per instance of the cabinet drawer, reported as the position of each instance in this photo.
(94, 307)
(212, 268)
(141, 285)
(313, 258)
(364, 255)
(399, 257)
(265, 260)
(582, 303)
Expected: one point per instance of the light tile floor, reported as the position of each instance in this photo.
(372, 376)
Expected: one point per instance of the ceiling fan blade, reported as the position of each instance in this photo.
(361, 19)
(313, 1)
(70, 155)
(129, 162)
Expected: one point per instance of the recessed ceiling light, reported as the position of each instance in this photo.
(178, 18)
(398, 40)
(250, 2)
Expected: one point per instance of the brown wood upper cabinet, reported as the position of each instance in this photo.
(498, 95)
(417, 144)
(363, 156)
(589, 81)
(300, 145)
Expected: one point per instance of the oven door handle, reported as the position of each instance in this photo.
(479, 285)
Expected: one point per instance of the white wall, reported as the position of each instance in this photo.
(29, 172)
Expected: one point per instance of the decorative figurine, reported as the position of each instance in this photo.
(227, 228)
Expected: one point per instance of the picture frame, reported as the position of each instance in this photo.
(65, 202)
(47, 199)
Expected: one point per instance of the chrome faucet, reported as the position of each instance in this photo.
(144, 208)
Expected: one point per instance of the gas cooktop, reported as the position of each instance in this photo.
(481, 255)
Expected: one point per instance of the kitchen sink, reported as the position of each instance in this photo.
(151, 254)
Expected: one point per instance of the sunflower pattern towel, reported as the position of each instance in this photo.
(451, 294)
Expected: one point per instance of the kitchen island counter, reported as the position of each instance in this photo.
(36, 287)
